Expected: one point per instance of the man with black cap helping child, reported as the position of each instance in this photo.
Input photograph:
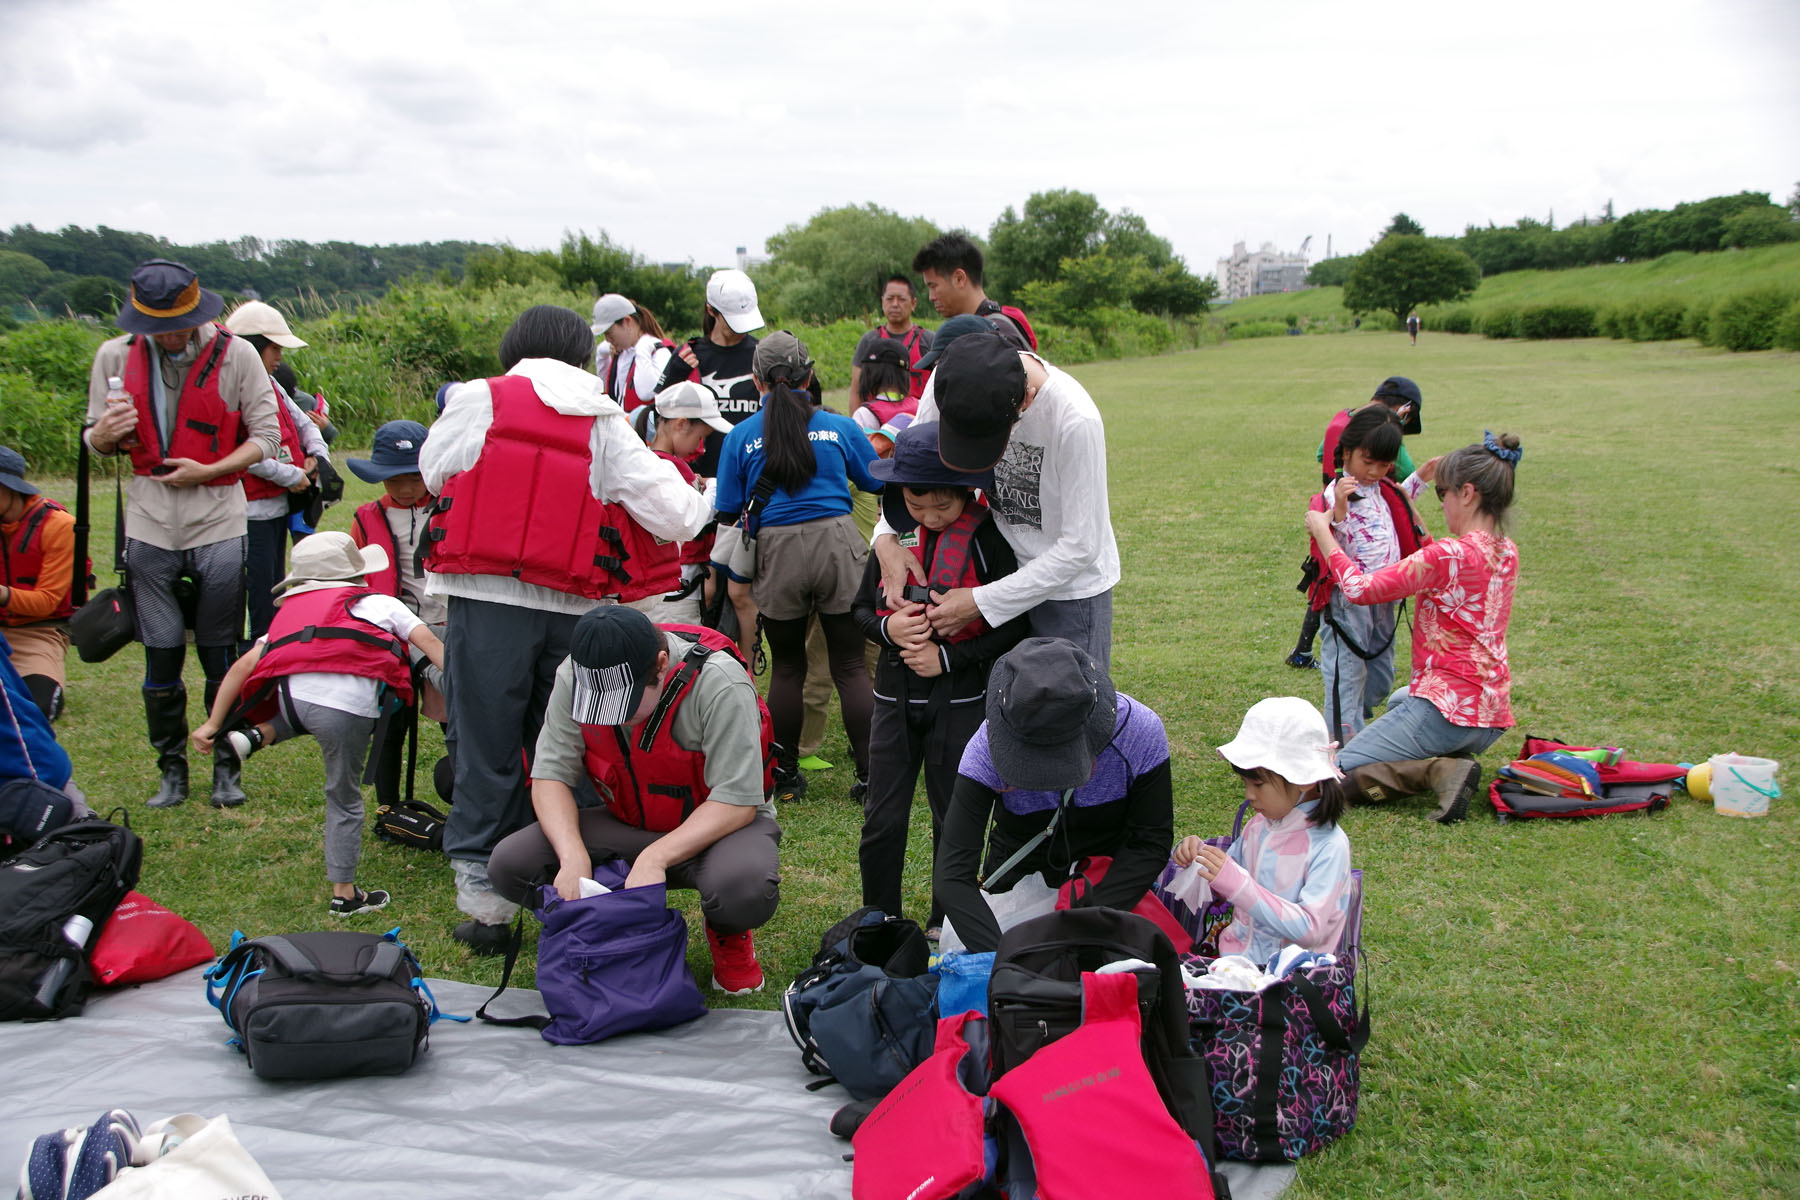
(195, 408)
(929, 689)
(1037, 429)
(1065, 767)
(667, 725)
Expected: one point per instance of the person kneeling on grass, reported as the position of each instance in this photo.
(667, 726)
(332, 656)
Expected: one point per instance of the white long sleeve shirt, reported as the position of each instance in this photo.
(1049, 500)
(623, 470)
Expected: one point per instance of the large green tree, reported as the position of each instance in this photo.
(834, 265)
(1031, 246)
(1401, 272)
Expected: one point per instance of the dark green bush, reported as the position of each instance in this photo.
(1500, 323)
(1696, 323)
(1540, 321)
(41, 423)
(1614, 321)
(1460, 319)
(1256, 329)
(1659, 319)
(1747, 320)
(1787, 329)
(56, 354)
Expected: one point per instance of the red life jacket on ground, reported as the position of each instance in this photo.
(262, 489)
(628, 399)
(949, 560)
(649, 781)
(1413, 538)
(314, 631)
(371, 524)
(525, 511)
(205, 430)
(25, 559)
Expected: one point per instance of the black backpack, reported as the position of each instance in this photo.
(83, 868)
(865, 1012)
(1035, 997)
(320, 1005)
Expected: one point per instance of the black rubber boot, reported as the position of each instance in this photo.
(228, 770)
(165, 715)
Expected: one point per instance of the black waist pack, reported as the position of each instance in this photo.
(411, 823)
(321, 1005)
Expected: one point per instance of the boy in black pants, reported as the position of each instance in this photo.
(929, 693)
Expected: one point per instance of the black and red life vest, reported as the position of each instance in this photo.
(1411, 533)
(263, 489)
(373, 530)
(628, 399)
(525, 511)
(24, 564)
(1010, 322)
(948, 557)
(314, 632)
(914, 341)
(205, 429)
(650, 782)
(1334, 432)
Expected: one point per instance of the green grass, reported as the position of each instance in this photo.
(1601, 1008)
(1692, 278)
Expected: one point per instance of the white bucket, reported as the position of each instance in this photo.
(1743, 786)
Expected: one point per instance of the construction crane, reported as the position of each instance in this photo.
(1305, 244)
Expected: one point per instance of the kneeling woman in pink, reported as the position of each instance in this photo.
(1459, 700)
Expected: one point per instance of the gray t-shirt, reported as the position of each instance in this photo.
(719, 718)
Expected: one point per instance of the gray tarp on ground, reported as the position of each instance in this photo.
(715, 1108)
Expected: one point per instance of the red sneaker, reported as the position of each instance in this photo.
(735, 969)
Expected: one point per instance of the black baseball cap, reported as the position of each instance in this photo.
(1398, 390)
(979, 385)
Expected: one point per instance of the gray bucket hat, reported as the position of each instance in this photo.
(1050, 712)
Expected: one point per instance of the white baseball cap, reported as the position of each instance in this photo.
(1286, 735)
(608, 309)
(690, 399)
(734, 296)
(253, 316)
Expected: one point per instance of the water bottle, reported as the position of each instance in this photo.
(116, 394)
(76, 930)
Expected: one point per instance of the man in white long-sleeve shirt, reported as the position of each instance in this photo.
(536, 471)
(1040, 433)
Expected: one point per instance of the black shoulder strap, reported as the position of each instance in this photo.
(691, 662)
(311, 633)
(530, 1021)
(291, 958)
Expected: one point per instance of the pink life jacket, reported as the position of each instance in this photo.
(525, 511)
(650, 781)
(924, 1141)
(205, 429)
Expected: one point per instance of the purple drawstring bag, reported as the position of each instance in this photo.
(610, 964)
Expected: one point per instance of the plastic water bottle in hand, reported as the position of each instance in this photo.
(116, 394)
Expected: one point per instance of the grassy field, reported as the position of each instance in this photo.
(1690, 277)
(1602, 1008)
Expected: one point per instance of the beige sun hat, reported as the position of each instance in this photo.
(328, 560)
(253, 316)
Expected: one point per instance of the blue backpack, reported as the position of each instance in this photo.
(865, 1012)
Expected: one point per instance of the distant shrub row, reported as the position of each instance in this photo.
(1762, 319)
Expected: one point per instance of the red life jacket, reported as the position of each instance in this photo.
(373, 530)
(1412, 535)
(263, 489)
(650, 782)
(314, 631)
(525, 511)
(628, 399)
(887, 410)
(925, 1139)
(1328, 465)
(949, 560)
(914, 342)
(25, 559)
(205, 430)
(1020, 326)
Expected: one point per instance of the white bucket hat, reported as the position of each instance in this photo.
(253, 316)
(1286, 735)
(328, 560)
(609, 310)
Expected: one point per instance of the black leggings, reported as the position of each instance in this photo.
(849, 673)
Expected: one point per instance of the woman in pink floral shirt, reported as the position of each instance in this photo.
(1459, 701)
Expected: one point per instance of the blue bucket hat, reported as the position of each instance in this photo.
(396, 452)
(166, 297)
(915, 464)
(12, 472)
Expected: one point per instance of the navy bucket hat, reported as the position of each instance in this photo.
(166, 297)
(396, 452)
(915, 464)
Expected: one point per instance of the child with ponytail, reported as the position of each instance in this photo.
(1288, 872)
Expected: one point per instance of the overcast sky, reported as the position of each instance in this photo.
(687, 136)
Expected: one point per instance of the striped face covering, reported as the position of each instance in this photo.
(605, 695)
